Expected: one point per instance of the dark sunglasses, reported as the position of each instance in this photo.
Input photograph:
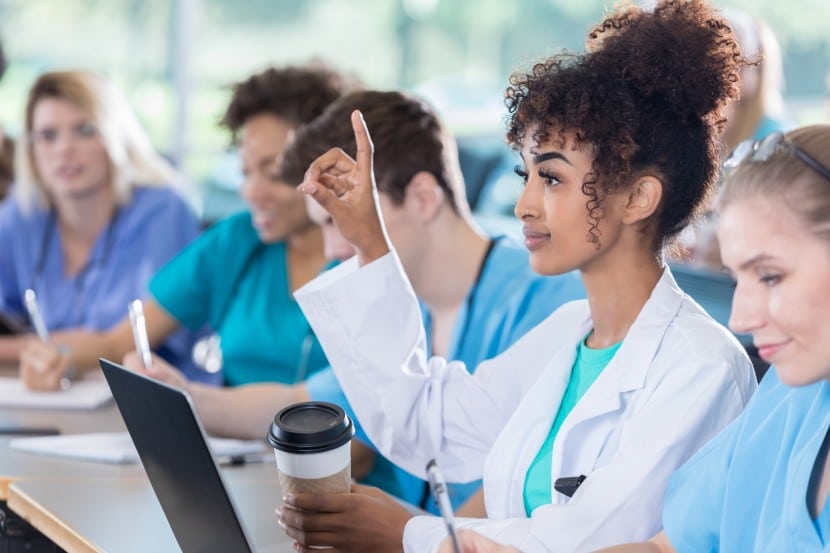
(749, 151)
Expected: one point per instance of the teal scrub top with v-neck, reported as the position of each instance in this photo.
(238, 285)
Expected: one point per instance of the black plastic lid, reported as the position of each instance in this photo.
(310, 427)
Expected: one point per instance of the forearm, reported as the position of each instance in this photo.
(243, 412)
(10, 348)
(86, 347)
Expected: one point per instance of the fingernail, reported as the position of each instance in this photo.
(288, 499)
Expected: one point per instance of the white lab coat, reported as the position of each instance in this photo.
(676, 381)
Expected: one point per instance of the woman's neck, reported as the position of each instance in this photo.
(618, 285)
(83, 218)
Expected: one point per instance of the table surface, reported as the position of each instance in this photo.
(123, 515)
(96, 507)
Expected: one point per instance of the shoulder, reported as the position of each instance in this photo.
(159, 213)
(157, 196)
(558, 326)
(158, 203)
(14, 219)
(232, 240)
(236, 225)
(693, 331)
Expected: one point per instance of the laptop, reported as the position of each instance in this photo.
(184, 475)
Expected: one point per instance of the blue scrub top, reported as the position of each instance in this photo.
(508, 300)
(146, 232)
(229, 279)
(746, 491)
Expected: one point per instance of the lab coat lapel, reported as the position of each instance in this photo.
(625, 373)
(524, 433)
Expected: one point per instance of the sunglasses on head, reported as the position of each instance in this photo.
(750, 151)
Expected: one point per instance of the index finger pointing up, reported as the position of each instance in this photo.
(365, 148)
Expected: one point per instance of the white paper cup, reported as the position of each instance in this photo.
(312, 448)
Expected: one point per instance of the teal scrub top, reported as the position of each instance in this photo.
(588, 365)
(240, 287)
(746, 491)
(507, 300)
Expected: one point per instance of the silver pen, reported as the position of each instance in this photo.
(139, 325)
(438, 487)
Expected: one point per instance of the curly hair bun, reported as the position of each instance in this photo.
(652, 51)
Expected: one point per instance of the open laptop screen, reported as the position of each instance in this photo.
(171, 443)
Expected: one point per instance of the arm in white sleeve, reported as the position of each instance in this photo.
(369, 324)
(620, 501)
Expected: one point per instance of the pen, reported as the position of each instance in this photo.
(142, 343)
(28, 431)
(438, 486)
(30, 301)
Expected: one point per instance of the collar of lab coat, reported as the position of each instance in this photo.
(530, 424)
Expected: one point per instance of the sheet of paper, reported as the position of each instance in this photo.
(82, 394)
(118, 448)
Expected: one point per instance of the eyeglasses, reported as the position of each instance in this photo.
(50, 135)
(750, 151)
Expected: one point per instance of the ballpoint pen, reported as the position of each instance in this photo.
(142, 342)
(30, 302)
(438, 486)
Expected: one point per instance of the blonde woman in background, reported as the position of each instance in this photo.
(760, 109)
(92, 216)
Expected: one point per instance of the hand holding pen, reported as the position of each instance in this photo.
(139, 326)
(43, 365)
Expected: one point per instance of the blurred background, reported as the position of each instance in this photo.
(176, 58)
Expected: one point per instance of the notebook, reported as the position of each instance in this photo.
(82, 394)
(184, 475)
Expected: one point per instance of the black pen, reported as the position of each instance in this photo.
(28, 431)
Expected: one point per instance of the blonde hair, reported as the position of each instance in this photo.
(131, 155)
(785, 179)
(766, 95)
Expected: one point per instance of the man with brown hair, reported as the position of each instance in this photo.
(475, 302)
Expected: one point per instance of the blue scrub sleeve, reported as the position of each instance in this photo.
(693, 510)
(324, 386)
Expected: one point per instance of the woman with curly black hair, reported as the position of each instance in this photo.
(577, 427)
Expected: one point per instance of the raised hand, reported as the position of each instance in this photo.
(346, 188)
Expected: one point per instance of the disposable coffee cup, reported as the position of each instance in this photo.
(312, 446)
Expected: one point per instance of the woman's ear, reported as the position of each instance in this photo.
(643, 199)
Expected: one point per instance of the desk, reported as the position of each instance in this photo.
(16, 465)
(93, 507)
(122, 515)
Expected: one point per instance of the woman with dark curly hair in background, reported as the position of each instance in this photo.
(576, 427)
